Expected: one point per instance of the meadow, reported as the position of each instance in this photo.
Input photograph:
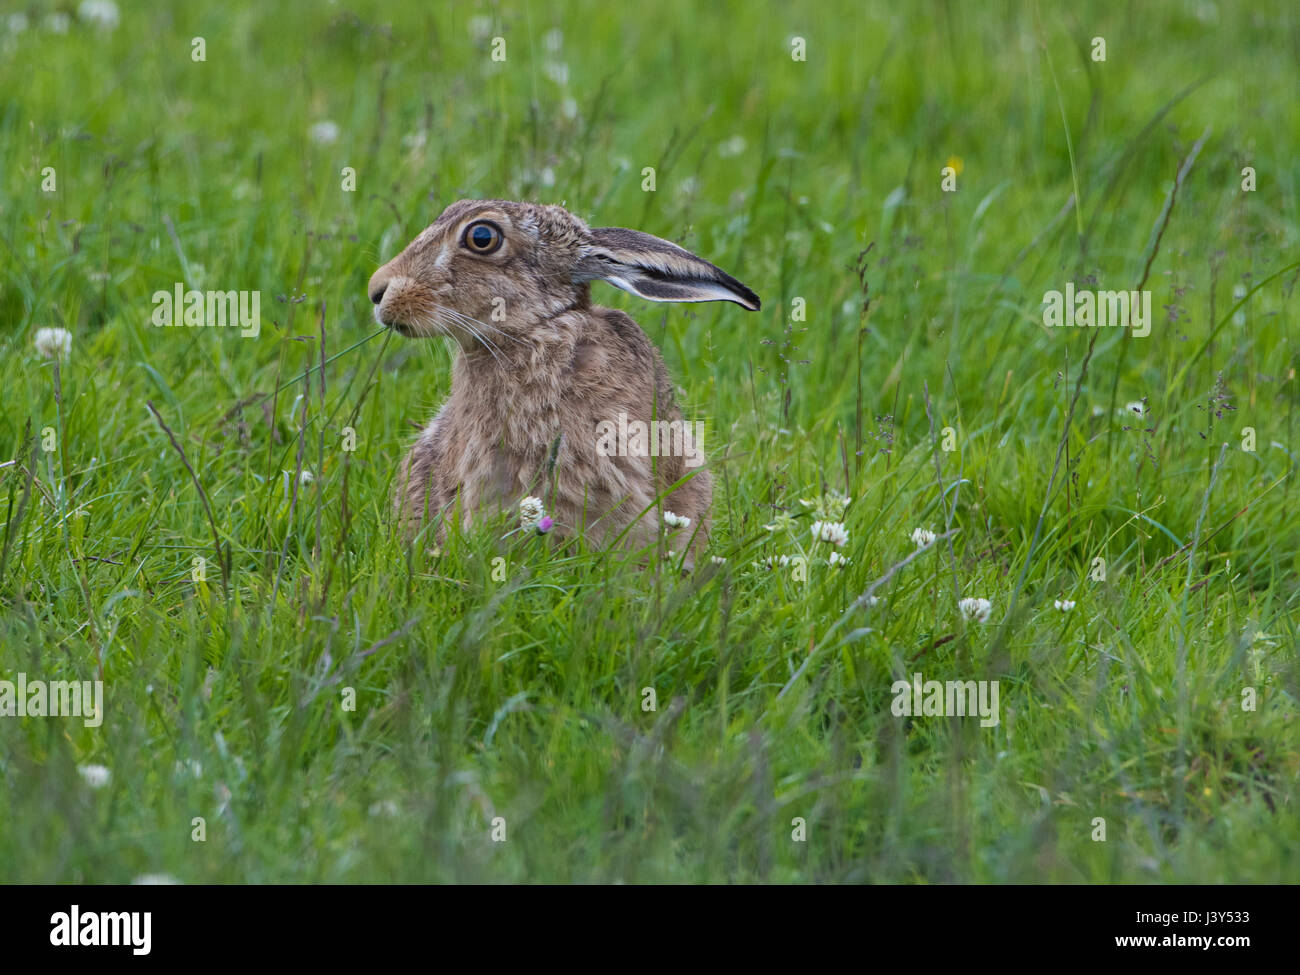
(293, 694)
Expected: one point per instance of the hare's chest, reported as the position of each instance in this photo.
(500, 440)
(494, 472)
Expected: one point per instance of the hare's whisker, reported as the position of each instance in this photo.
(486, 343)
(468, 324)
(436, 348)
(462, 317)
(492, 349)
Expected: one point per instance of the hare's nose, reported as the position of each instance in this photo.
(378, 285)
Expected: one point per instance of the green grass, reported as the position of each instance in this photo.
(514, 689)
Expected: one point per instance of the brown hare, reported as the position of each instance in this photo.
(543, 378)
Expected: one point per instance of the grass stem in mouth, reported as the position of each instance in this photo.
(355, 345)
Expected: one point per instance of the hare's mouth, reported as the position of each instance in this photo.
(419, 328)
(400, 327)
(388, 319)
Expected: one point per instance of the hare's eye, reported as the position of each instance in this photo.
(483, 237)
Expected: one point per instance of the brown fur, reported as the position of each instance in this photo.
(557, 366)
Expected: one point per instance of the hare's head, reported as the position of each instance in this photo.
(513, 266)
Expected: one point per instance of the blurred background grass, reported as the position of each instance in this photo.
(816, 180)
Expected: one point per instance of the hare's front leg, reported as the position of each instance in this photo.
(693, 499)
(421, 480)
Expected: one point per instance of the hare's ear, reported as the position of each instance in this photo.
(659, 270)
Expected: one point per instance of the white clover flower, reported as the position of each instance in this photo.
(480, 28)
(557, 71)
(324, 133)
(1137, 408)
(830, 531)
(531, 511)
(923, 537)
(95, 776)
(415, 140)
(383, 807)
(101, 13)
(17, 23)
(305, 477)
(58, 23)
(839, 503)
(53, 343)
(553, 40)
(569, 108)
(837, 559)
(732, 147)
(778, 561)
(155, 880)
(1099, 411)
(1064, 605)
(784, 521)
(976, 609)
(676, 521)
(829, 507)
(718, 559)
(869, 601)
